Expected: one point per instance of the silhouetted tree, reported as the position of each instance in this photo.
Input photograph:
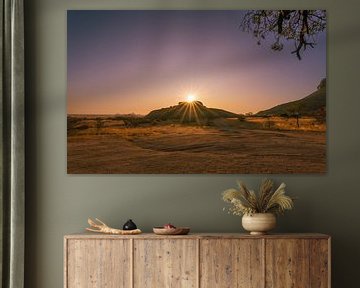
(299, 26)
(322, 84)
(295, 113)
(99, 125)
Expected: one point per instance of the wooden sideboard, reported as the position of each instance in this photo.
(197, 260)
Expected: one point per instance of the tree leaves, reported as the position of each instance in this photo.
(299, 26)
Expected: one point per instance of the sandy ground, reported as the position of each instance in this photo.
(174, 148)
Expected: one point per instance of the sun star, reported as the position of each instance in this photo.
(190, 98)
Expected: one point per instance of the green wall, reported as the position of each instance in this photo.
(58, 203)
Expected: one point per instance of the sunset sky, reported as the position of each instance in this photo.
(137, 61)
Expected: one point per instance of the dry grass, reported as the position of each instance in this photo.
(226, 147)
(306, 123)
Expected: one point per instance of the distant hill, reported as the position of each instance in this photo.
(189, 112)
(311, 105)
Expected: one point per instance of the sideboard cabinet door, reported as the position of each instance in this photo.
(297, 263)
(98, 263)
(165, 263)
(231, 263)
(320, 263)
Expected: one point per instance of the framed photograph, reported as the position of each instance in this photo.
(194, 92)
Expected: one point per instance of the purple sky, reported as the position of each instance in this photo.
(137, 61)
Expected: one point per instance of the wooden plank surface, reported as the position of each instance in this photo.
(319, 263)
(98, 263)
(287, 263)
(66, 262)
(231, 263)
(197, 260)
(89, 235)
(166, 263)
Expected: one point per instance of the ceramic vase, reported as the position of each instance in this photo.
(259, 223)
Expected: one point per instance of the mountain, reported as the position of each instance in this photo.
(189, 112)
(311, 105)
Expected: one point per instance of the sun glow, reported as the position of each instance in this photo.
(190, 98)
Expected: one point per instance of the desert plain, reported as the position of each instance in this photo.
(109, 144)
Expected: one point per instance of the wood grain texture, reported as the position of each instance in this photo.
(197, 260)
(88, 235)
(66, 262)
(231, 263)
(166, 263)
(98, 264)
(287, 263)
(319, 263)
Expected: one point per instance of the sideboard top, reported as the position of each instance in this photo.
(88, 235)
